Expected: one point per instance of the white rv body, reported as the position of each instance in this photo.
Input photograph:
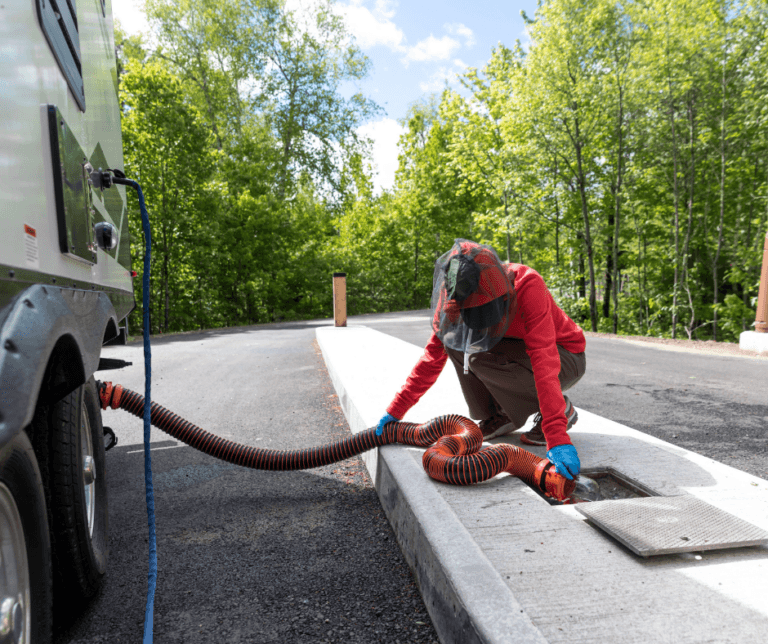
(65, 291)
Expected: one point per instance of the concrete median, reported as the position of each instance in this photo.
(496, 563)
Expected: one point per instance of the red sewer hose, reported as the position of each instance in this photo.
(454, 453)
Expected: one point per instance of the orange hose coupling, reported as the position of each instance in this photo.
(552, 483)
(110, 395)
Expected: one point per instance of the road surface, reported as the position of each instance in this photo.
(304, 557)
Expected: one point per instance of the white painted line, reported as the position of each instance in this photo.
(154, 449)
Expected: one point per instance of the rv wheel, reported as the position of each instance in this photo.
(77, 493)
(25, 556)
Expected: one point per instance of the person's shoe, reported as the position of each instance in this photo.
(495, 426)
(535, 436)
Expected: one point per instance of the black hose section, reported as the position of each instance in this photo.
(454, 453)
(254, 457)
(423, 435)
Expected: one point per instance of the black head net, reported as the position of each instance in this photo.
(473, 300)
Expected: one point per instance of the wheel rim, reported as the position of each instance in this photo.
(89, 468)
(15, 618)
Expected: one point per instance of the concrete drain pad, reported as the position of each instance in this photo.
(659, 525)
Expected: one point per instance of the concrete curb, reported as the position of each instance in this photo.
(495, 563)
(466, 597)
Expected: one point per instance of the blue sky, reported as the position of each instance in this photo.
(414, 48)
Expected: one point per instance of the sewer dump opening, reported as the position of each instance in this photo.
(602, 484)
(614, 485)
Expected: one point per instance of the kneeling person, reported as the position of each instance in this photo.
(515, 351)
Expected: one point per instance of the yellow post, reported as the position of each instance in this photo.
(340, 299)
(761, 317)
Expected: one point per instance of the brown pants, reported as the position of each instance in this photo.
(502, 379)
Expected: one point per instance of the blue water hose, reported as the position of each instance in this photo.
(152, 573)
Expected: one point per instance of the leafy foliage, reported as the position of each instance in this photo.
(623, 155)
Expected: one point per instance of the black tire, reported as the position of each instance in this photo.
(77, 510)
(22, 508)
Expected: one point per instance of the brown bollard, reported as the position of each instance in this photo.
(761, 317)
(340, 299)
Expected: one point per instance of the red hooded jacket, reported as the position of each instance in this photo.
(542, 325)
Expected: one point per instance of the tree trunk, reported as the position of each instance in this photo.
(506, 218)
(587, 233)
(642, 249)
(287, 151)
(557, 220)
(416, 274)
(616, 272)
(608, 279)
(617, 208)
(645, 283)
(676, 197)
(582, 283)
(715, 293)
(150, 317)
(691, 191)
(166, 251)
(166, 290)
(199, 304)
(209, 103)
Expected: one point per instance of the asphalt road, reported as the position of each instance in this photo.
(256, 557)
(247, 556)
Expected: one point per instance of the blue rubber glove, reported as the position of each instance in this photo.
(386, 418)
(566, 460)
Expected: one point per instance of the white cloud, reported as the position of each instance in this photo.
(372, 28)
(384, 134)
(386, 8)
(432, 48)
(458, 29)
(376, 26)
(131, 15)
(438, 80)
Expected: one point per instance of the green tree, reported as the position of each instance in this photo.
(255, 59)
(561, 95)
(623, 155)
(430, 210)
(207, 45)
(167, 149)
(306, 66)
(489, 167)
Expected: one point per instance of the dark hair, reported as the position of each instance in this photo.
(486, 315)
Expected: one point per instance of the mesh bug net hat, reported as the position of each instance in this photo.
(473, 299)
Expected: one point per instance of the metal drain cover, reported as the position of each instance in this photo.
(658, 525)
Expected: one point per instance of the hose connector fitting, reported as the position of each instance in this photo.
(552, 483)
(109, 394)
